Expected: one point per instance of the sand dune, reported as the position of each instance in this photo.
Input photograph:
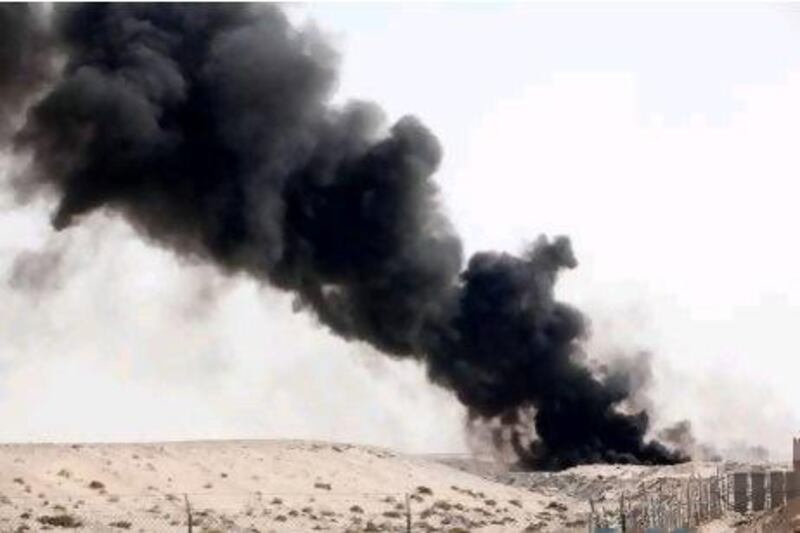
(260, 486)
(308, 486)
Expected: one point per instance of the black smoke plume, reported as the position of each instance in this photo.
(25, 60)
(210, 129)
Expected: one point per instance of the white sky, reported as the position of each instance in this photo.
(663, 140)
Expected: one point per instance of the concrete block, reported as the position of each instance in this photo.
(740, 499)
(758, 495)
(792, 485)
(777, 489)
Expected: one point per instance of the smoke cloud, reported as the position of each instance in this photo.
(210, 129)
(36, 271)
(25, 60)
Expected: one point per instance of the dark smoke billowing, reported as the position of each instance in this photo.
(24, 59)
(210, 129)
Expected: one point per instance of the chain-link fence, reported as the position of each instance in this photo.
(678, 504)
(665, 504)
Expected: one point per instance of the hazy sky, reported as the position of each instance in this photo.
(663, 140)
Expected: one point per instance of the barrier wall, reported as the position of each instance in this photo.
(757, 491)
(777, 489)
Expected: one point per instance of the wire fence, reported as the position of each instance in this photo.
(666, 504)
(419, 511)
(683, 504)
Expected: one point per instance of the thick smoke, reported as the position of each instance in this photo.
(24, 59)
(210, 128)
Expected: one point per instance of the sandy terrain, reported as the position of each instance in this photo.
(259, 486)
(312, 486)
(604, 484)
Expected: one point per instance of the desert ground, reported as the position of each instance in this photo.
(302, 486)
(261, 486)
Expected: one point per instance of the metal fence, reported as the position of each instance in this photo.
(681, 504)
(666, 504)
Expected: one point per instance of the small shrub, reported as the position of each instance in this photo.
(356, 509)
(96, 485)
(64, 520)
(443, 505)
(392, 514)
(536, 526)
(120, 524)
(320, 485)
(424, 490)
(559, 507)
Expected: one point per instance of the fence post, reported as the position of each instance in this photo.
(622, 512)
(188, 513)
(408, 514)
